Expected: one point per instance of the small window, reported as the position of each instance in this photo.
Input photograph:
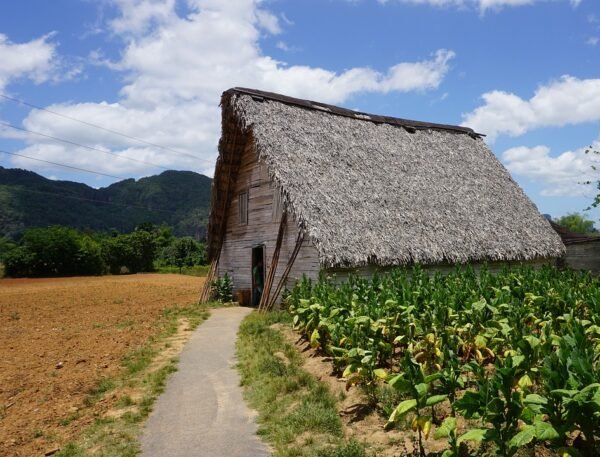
(243, 206)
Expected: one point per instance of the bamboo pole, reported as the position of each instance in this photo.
(264, 298)
(206, 287)
(286, 272)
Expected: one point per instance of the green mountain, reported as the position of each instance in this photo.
(180, 199)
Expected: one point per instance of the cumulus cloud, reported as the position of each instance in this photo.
(564, 175)
(138, 16)
(34, 60)
(568, 100)
(176, 66)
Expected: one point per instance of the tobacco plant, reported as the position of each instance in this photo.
(517, 350)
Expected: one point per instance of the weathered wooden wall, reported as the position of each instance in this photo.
(262, 228)
(584, 256)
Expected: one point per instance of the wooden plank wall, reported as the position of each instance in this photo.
(584, 256)
(262, 228)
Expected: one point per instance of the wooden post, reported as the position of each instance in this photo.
(206, 287)
(287, 270)
(264, 298)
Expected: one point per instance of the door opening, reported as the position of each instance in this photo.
(258, 273)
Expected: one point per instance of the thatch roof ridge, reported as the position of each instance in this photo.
(372, 193)
(408, 124)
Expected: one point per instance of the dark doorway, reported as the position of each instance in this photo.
(258, 273)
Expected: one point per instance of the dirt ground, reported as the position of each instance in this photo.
(58, 337)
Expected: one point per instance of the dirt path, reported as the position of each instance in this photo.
(202, 412)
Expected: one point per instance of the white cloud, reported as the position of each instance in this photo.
(592, 41)
(481, 5)
(566, 101)
(282, 45)
(176, 69)
(560, 176)
(138, 16)
(268, 22)
(34, 60)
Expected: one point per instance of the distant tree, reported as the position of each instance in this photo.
(6, 245)
(54, 251)
(576, 222)
(135, 251)
(183, 252)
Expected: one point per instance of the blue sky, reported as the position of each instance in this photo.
(524, 72)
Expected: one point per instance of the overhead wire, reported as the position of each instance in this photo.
(74, 143)
(90, 124)
(62, 165)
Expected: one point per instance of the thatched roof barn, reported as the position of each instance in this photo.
(363, 191)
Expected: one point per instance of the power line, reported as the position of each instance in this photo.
(115, 132)
(95, 201)
(91, 148)
(61, 165)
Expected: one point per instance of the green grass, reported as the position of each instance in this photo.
(297, 414)
(196, 270)
(118, 437)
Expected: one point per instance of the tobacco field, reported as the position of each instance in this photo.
(494, 364)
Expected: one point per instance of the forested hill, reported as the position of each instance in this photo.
(180, 199)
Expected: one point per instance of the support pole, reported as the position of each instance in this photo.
(286, 272)
(264, 298)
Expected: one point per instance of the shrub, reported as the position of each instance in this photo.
(222, 289)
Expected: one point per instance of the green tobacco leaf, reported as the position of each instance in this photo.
(447, 427)
(349, 370)
(432, 377)
(435, 399)
(545, 431)
(480, 341)
(525, 436)
(535, 399)
(476, 434)
(469, 404)
(403, 408)
(517, 360)
(380, 373)
(525, 382)
(421, 389)
(314, 338)
(532, 341)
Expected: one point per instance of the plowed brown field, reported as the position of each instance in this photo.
(59, 336)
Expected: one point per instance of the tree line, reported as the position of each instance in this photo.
(65, 251)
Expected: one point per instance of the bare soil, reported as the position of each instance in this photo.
(59, 337)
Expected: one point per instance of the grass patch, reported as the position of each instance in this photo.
(196, 270)
(297, 413)
(118, 436)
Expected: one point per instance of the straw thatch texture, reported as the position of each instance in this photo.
(374, 193)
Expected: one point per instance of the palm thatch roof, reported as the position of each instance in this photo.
(569, 237)
(373, 190)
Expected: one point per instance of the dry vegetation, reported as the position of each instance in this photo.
(64, 341)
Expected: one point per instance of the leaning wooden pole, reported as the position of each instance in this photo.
(264, 298)
(206, 287)
(286, 272)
